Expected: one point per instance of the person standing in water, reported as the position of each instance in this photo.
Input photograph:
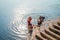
(36, 28)
(40, 20)
(30, 27)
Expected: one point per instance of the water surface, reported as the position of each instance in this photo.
(14, 14)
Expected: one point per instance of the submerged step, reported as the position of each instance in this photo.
(52, 34)
(41, 37)
(57, 27)
(54, 30)
(48, 37)
(38, 38)
(58, 23)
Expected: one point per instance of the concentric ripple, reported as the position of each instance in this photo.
(18, 28)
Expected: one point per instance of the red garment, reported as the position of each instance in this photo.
(29, 22)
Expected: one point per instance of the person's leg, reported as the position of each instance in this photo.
(30, 31)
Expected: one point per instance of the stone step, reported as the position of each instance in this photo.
(58, 23)
(54, 30)
(48, 37)
(40, 37)
(56, 27)
(52, 34)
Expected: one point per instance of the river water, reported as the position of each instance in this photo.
(14, 14)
